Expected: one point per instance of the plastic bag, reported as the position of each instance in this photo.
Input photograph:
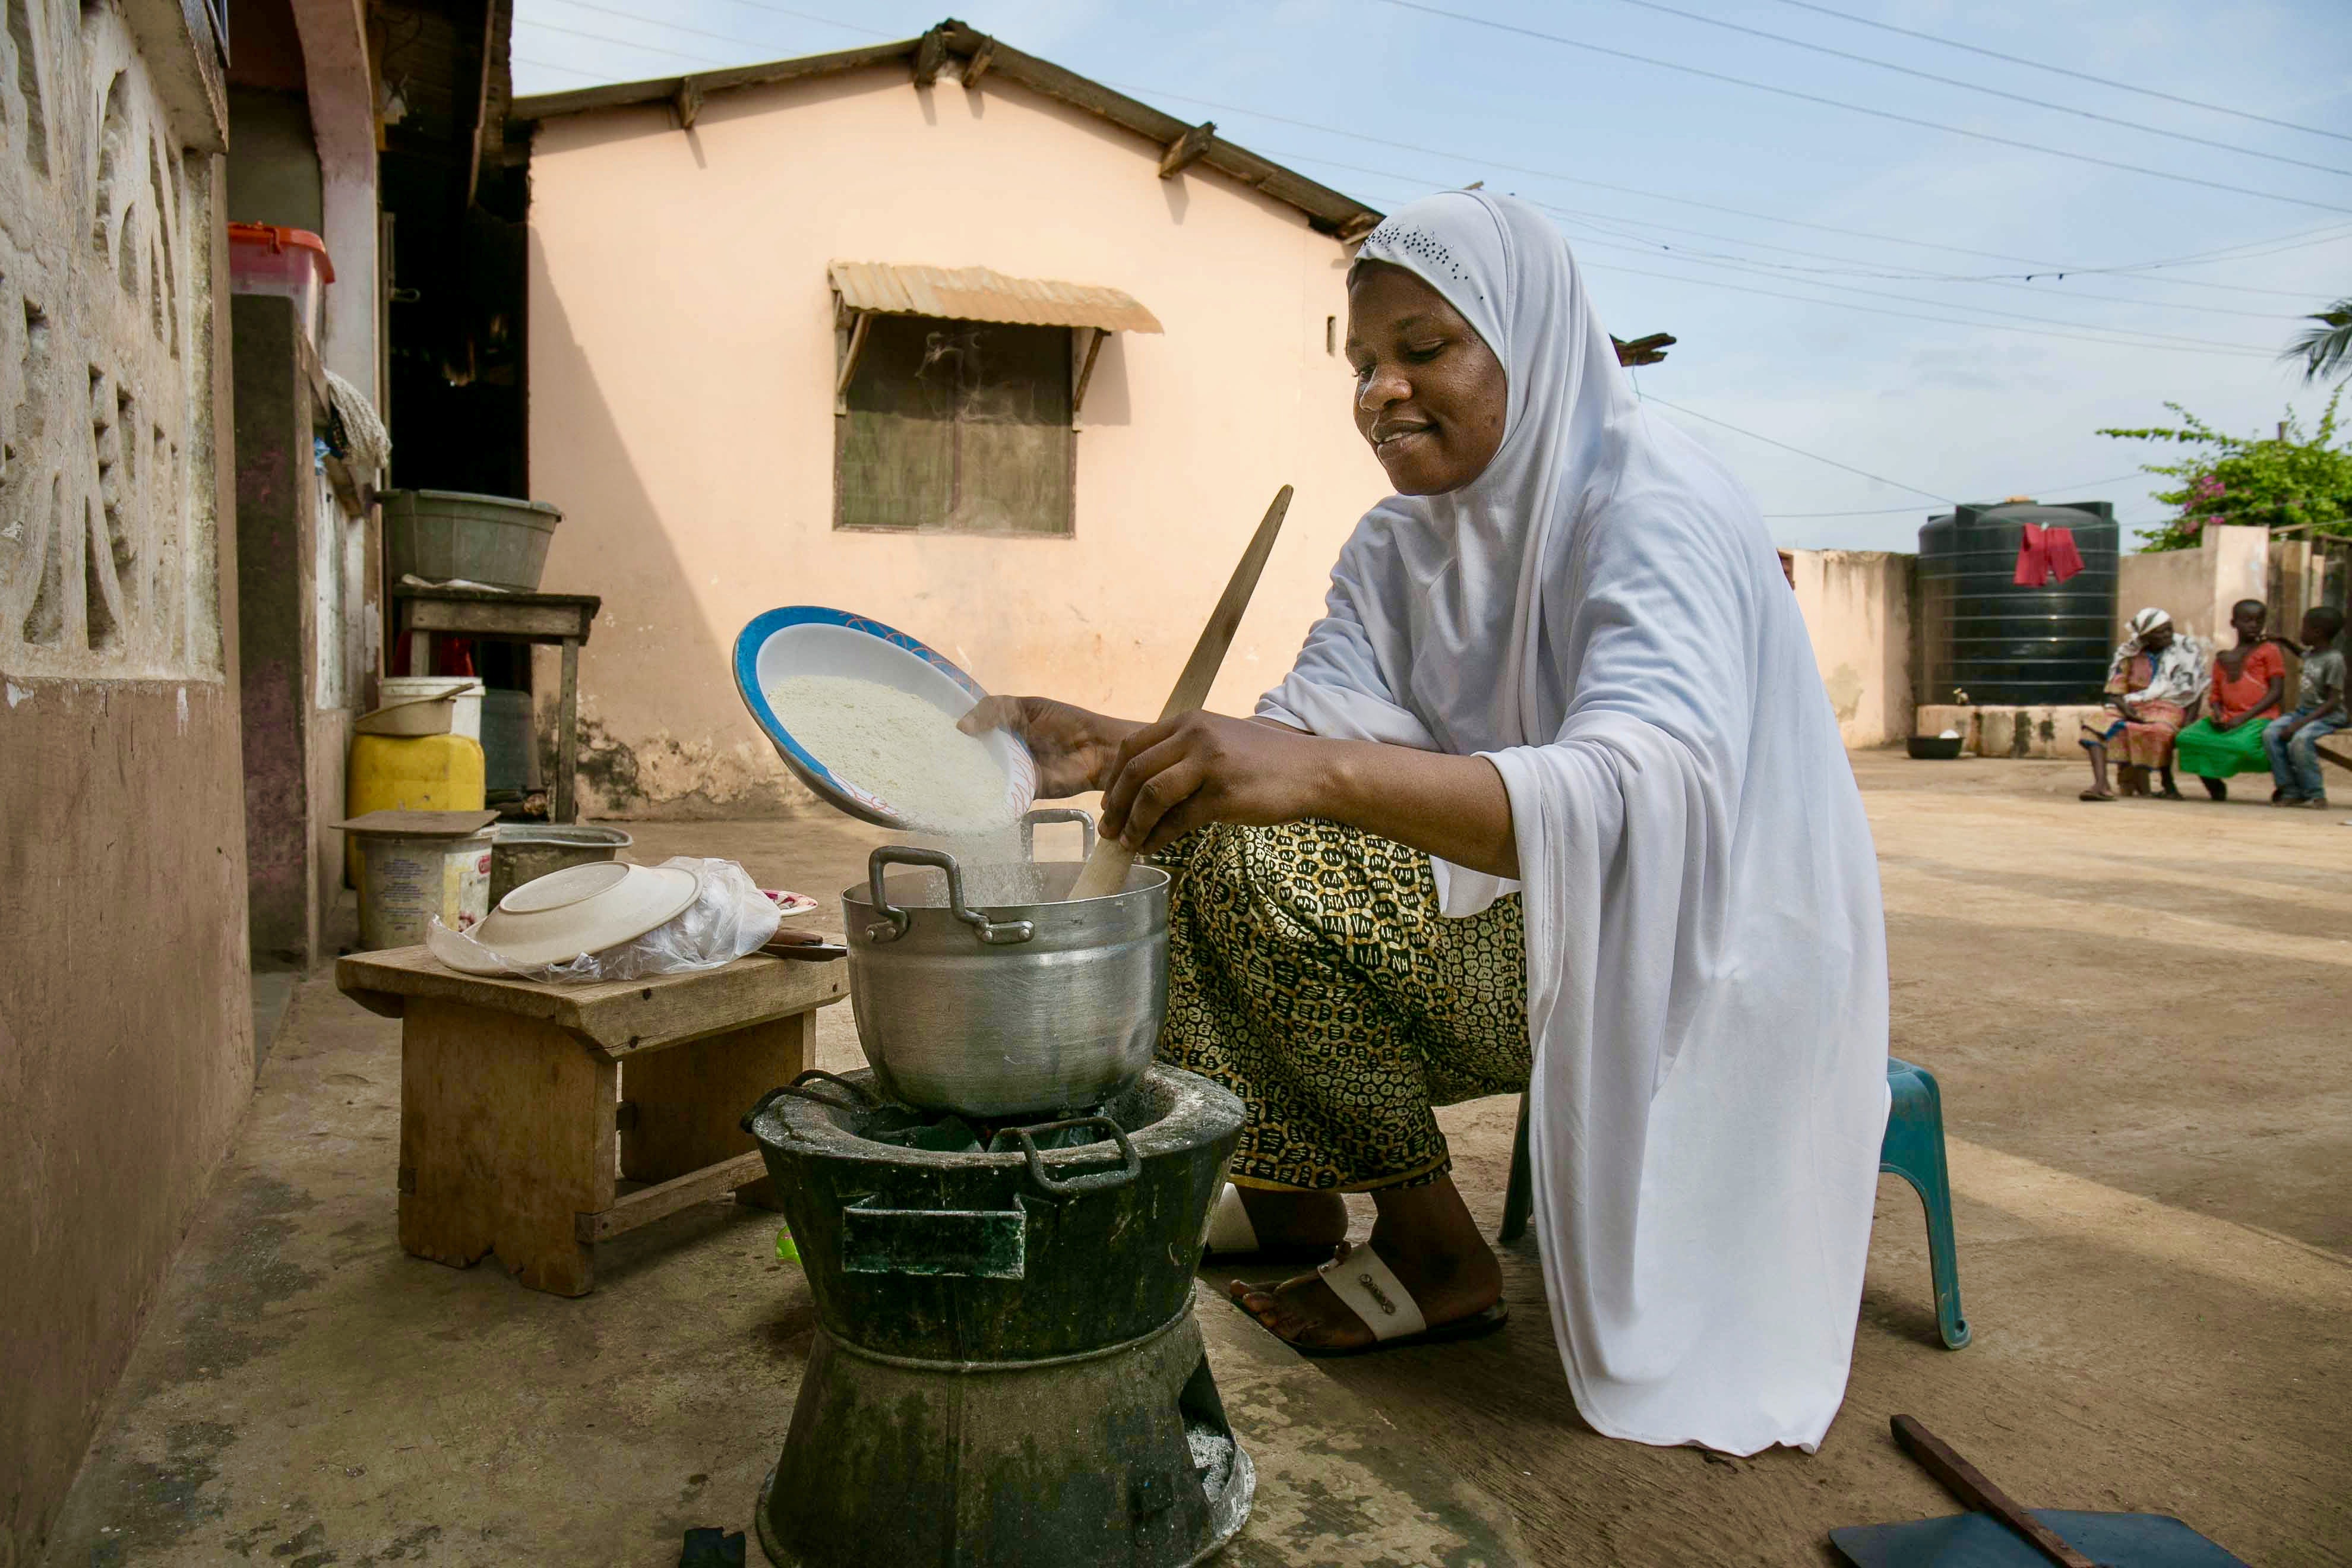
(730, 918)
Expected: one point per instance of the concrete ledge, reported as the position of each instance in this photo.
(2051, 733)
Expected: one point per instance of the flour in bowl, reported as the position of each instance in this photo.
(894, 745)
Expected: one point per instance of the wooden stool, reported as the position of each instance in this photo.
(511, 1099)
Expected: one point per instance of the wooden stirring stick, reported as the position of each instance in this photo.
(1966, 1483)
(1106, 869)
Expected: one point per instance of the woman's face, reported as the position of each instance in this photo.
(1429, 393)
(2156, 639)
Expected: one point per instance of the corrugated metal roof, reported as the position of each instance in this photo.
(977, 294)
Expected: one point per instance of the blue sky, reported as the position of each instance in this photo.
(1792, 246)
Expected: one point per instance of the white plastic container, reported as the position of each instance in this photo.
(404, 882)
(463, 691)
(264, 258)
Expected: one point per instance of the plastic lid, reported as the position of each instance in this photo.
(277, 239)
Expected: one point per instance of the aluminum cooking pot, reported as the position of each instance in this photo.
(1008, 1009)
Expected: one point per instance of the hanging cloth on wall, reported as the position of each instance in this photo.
(2046, 556)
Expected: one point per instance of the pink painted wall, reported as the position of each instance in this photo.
(681, 372)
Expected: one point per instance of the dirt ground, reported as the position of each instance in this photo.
(2137, 1013)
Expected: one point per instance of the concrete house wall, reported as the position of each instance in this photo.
(682, 366)
(1857, 610)
(126, 1045)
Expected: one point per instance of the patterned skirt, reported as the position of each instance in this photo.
(1311, 973)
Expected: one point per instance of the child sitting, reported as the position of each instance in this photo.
(2244, 697)
(2293, 741)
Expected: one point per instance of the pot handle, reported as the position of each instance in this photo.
(1044, 814)
(894, 920)
(864, 1099)
(1100, 1180)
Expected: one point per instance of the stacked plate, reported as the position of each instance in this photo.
(579, 910)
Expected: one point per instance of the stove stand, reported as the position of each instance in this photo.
(1006, 1369)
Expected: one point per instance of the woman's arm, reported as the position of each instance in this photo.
(1197, 768)
(1161, 781)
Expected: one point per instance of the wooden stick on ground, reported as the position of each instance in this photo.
(1106, 869)
(1966, 1483)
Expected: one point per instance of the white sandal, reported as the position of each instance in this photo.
(1368, 1287)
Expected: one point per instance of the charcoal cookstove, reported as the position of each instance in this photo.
(1006, 1367)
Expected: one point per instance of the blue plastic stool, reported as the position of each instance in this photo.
(1913, 1150)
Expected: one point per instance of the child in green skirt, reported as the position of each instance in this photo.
(2248, 682)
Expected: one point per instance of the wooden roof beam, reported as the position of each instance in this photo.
(1187, 150)
(981, 59)
(930, 56)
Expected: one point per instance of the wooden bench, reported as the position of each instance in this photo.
(524, 1105)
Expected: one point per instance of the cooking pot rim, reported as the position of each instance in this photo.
(1156, 880)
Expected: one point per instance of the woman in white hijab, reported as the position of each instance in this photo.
(1553, 798)
(2155, 685)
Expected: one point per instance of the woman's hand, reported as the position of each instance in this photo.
(1197, 768)
(1076, 750)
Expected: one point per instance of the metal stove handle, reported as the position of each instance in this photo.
(1044, 814)
(862, 1099)
(1100, 1180)
(895, 921)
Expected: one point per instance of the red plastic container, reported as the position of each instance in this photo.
(264, 258)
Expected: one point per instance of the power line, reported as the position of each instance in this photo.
(1492, 165)
(2062, 70)
(1980, 87)
(1917, 316)
(1856, 108)
(768, 44)
(1816, 457)
(1890, 511)
(551, 66)
(1861, 268)
(810, 16)
(621, 43)
(2116, 337)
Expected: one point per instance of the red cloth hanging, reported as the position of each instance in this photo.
(2045, 555)
(2058, 550)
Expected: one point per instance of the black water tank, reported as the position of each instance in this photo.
(1982, 632)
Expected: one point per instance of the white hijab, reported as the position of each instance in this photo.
(2176, 670)
(1602, 615)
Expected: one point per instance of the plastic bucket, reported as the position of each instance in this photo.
(445, 535)
(524, 852)
(464, 692)
(264, 258)
(404, 882)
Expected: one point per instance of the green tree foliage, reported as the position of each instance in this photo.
(2325, 349)
(2286, 480)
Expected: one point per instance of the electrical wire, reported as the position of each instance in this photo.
(2064, 71)
(1980, 87)
(1816, 457)
(2329, 232)
(1890, 511)
(620, 43)
(810, 16)
(551, 66)
(1857, 108)
(1917, 316)
(1861, 270)
(764, 44)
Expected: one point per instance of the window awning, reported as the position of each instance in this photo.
(978, 294)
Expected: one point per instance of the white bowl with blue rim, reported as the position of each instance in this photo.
(810, 640)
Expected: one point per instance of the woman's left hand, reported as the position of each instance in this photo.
(1198, 768)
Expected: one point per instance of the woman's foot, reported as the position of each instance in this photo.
(2215, 788)
(1294, 1224)
(2095, 794)
(1426, 1236)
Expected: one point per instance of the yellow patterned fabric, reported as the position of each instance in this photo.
(1311, 973)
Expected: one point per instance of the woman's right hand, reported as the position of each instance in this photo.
(1076, 750)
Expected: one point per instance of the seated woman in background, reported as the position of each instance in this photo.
(2241, 699)
(2153, 686)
